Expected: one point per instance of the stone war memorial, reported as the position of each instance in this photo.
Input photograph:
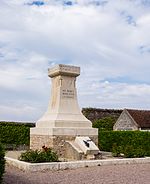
(63, 127)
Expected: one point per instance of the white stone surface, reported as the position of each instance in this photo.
(63, 109)
(90, 148)
(17, 163)
(64, 131)
(64, 69)
(75, 146)
(33, 167)
(63, 116)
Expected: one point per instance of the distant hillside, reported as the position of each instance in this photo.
(7, 123)
(94, 113)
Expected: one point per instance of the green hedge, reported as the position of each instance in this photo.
(2, 162)
(130, 143)
(15, 133)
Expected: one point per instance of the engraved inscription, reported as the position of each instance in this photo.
(69, 68)
(67, 93)
(64, 68)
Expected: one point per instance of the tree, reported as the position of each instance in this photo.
(106, 123)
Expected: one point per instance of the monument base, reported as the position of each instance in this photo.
(61, 140)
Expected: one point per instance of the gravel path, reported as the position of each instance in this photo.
(117, 174)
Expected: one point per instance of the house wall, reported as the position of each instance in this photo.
(145, 129)
(125, 122)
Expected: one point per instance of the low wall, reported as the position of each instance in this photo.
(33, 167)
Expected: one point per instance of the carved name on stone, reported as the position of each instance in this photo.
(67, 93)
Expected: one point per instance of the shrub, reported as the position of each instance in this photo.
(37, 156)
(127, 143)
(104, 124)
(128, 151)
(2, 162)
(116, 150)
(15, 134)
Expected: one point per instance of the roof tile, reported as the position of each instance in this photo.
(142, 117)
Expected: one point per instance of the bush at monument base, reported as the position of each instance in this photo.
(2, 162)
(126, 143)
(38, 156)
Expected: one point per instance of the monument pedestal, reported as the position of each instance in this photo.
(57, 138)
(63, 121)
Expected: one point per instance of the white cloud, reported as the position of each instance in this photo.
(19, 113)
(101, 39)
(117, 95)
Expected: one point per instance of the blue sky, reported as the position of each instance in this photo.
(109, 40)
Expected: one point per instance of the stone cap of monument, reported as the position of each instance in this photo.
(66, 70)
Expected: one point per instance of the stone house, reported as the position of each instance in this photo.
(133, 120)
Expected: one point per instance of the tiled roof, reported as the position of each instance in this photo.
(142, 117)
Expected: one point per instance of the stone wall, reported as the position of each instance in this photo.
(58, 143)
